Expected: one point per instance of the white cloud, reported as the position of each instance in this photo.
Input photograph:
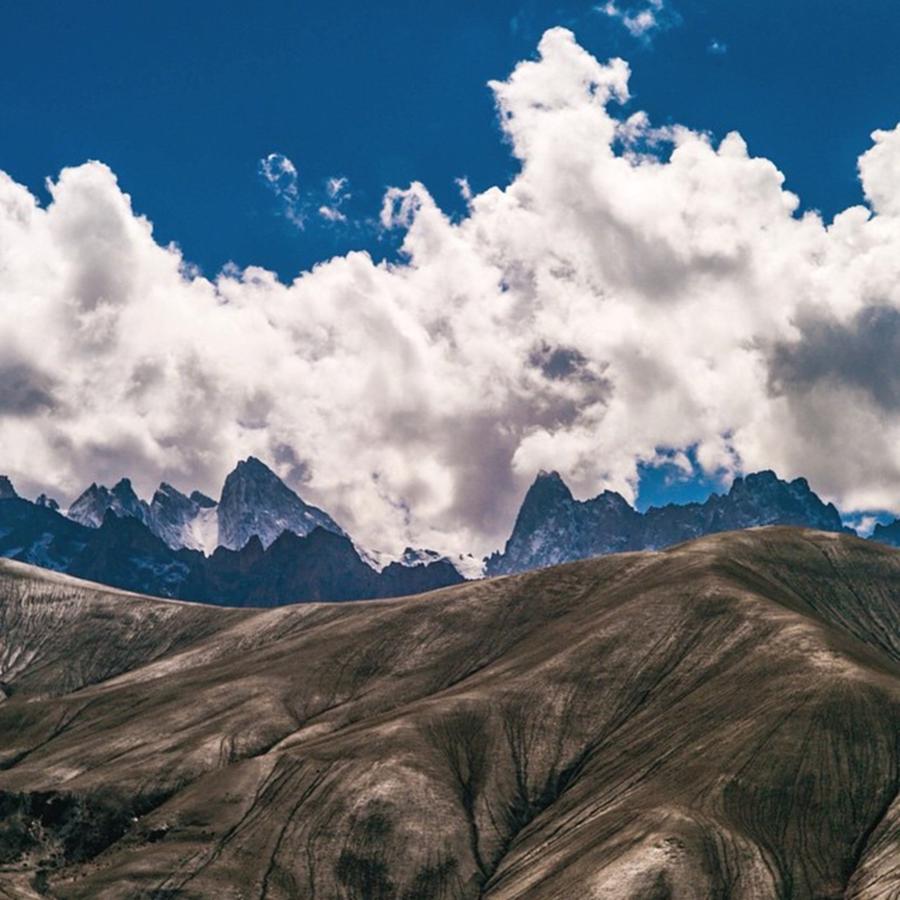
(335, 186)
(332, 214)
(337, 195)
(280, 174)
(639, 19)
(603, 306)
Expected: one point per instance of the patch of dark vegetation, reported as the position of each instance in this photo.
(60, 828)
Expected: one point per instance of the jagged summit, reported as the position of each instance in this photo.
(256, 501)
(548, 487)
(7, 491)
(91, 507)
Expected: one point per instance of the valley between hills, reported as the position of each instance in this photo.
(715, 720)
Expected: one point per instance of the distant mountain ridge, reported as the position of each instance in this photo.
(124, 553)
(553, 527)
(113, 536)
(264, 545)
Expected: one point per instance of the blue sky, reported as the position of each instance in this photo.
(186, 101)
(182, 100)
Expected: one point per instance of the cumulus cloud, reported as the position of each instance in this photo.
(879, 170)
(611, 306)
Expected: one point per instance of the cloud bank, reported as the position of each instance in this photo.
(607, 307)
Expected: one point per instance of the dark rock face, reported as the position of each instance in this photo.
(718, 720)
(399, 580)
(319, 566)
(552, 527)
(39, 535)
(887, 534)
(255, 501)
(49, 502)
(124, 553)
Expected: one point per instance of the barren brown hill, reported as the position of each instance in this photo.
(719, 720)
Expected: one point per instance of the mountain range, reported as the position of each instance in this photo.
(261, 544)
(277, 549)
(716, 720)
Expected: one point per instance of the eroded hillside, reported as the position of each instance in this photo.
(717, 720)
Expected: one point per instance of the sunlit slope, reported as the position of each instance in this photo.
(716, 720)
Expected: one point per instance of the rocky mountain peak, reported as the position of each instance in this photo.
(256, 501)
(165, 489)
(550, 484)
(547, 493)
(122, 488)
(7, 491)
(91, 507)
(762, 498)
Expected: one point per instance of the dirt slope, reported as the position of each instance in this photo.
(719, 720)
